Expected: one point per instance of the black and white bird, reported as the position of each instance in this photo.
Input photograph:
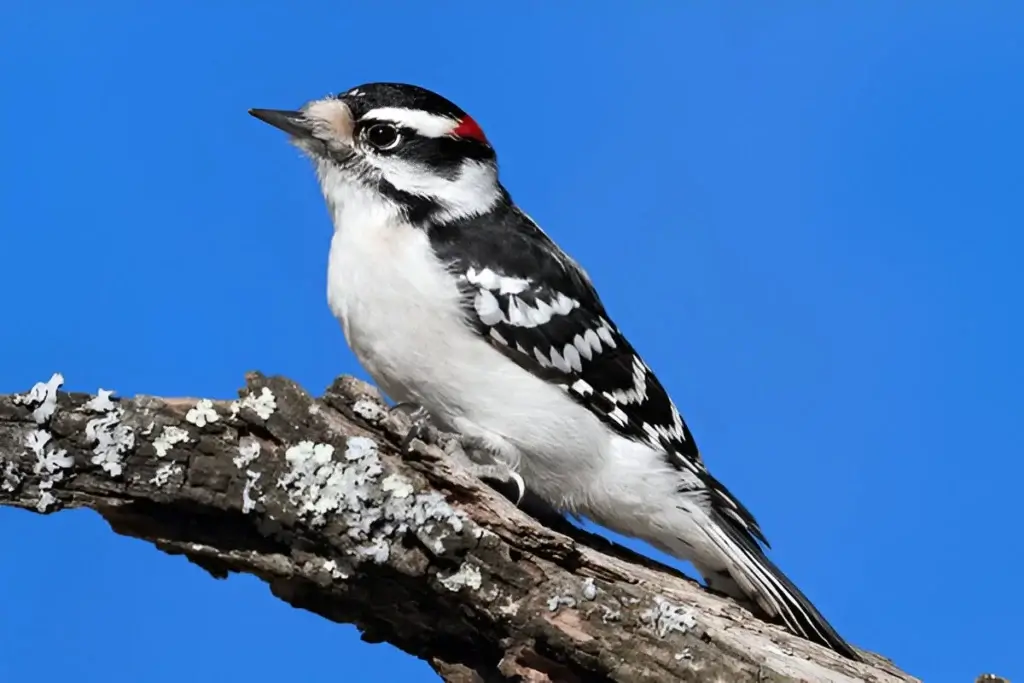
(454, 300)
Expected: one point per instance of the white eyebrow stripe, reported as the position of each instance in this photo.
(424, 123)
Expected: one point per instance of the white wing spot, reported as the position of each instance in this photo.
(590, 337)
(651, 432)
(487, 308)
(606, 335)
(572, 357)
(542, 313)
(558, 361)
(563, 304)
(582, 388)
(538, 315)
(496, 336)
(677, 427)
(582, 346)
(544, 362)
(515, 315)
(513, 285)
(619, 416)
(486, 278)
(504, 284)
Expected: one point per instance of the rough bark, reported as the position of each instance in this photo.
(316, 498)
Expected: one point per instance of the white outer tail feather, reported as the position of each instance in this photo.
(760, 580)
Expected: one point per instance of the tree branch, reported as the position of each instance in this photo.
(314, 497)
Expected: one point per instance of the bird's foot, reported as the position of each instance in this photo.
(482, 464)
(491, 470)
(419, 424)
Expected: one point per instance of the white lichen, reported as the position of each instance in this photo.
(169, 436)
(468, 576)
(589, 589)
(429, 516)
(510, 608)
(165, 472)
(557, 601)
(351, 489)
(248, 451)
(360, 448)
(608, 614)
(377, 550)
(48, 466)
(47, 463)
(331, 567)
(315, 483)
(112, 439)
(100, 403)
(665, 617)
(46, 499)
(11, 477)
(397, 485)
(371, 411)
(43, 395)
(248, 502)
(264, 404)
(202, 414)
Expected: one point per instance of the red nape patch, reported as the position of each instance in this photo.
(468, 128)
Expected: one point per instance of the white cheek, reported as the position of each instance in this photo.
(473, 191)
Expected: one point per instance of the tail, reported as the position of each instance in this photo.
(759, 579)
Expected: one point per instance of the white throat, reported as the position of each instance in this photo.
(474, 191)
(353, 205)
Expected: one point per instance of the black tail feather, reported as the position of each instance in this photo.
(774, 591)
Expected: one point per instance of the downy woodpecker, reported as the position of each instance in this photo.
(454, 300)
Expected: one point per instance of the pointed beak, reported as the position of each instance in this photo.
(292, 122)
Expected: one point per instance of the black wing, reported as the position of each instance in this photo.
(532, 302)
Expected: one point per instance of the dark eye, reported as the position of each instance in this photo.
(383, 136)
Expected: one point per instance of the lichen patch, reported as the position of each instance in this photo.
(169, 436)
(202, 414)
(43, 397)
(112, 440)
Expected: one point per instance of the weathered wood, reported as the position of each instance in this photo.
(314, 497)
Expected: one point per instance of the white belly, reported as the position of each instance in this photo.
(402, 318)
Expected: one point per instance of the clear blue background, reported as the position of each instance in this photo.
(808, 216)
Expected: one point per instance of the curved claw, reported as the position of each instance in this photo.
(520, 486)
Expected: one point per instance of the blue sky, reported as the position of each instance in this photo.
(806, 215)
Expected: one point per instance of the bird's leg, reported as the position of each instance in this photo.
(496, 473)
(471, 455)
(486, 465)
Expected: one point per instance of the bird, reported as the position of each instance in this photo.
(455, 301)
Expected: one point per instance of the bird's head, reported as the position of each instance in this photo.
(399, 147)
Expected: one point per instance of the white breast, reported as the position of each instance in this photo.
(402, 317)
(397, 306)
